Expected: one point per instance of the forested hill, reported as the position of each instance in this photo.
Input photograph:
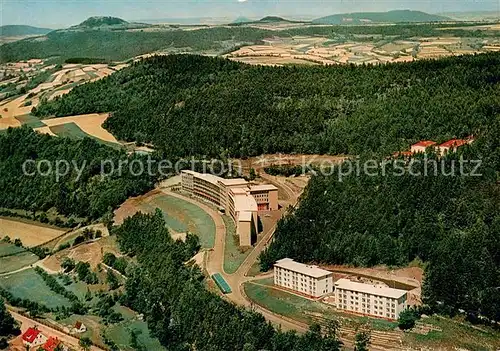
(192, 105)
(117, 43)
(396, 16)
(450, 222)
(83, 193)
(19, 30)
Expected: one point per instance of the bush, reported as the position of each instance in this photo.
(407, 319)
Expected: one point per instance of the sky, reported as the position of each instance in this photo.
(64, 13)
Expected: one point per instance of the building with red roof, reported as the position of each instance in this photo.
(32, 337)
(51, 344)
(421, 146)
(452, 145)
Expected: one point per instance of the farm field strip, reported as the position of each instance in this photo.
(30, 234)
(90, 124)
(29, 285)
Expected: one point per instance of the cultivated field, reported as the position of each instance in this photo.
(90, 124)
(30, 234)
(9, 249)
(323, 51)
(181, 216)
(29, 285)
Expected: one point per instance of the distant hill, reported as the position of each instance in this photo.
(242, 20)
(98, 21)
(19, 30)
(397, 16)
(272, 19)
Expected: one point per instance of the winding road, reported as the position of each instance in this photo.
(215, 259)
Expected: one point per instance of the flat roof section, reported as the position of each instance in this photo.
(311, 271)
(233, 182)
(244, 202)
(263, 187)
(370, 289)
(205, 176)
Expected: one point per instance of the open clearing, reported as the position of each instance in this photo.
(90, 124)
(181, 216)
(30, 234)
(29, 285)
(91, 252)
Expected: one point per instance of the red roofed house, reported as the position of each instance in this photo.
(33, 337)
(51, 344)
(452, 145)
(422, 146)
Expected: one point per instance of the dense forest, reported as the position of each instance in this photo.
(452, 223)
(182, 313)
(122, 44)
(80, 194)
(193, 105)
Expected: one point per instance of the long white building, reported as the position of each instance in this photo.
(237, 197)
(372, 300)
(308, 280)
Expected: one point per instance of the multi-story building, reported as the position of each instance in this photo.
(305, 279)
(237, 197)
(266, 196)
(372, 300)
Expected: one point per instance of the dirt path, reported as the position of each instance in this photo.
(48, 331)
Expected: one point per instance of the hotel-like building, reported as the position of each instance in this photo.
(237, 197)
(372, 300)
(305, 279)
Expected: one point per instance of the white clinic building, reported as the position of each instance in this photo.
(308, 280)
(372, 300)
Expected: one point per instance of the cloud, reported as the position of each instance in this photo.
(242, 0)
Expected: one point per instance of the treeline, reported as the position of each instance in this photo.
(191, 105)
(8, 326)
(449, 220)
(181, 313)
(86, 194)
(85, 60)
(54, 285)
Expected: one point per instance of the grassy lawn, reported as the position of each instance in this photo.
(233, 255)
(69, 130)
(120, 334)
(15, 262)
(455, 334)
(254, 270)
(182, 216)
(9, 249)
(29, 285)
(30, 120)
(302, 309)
